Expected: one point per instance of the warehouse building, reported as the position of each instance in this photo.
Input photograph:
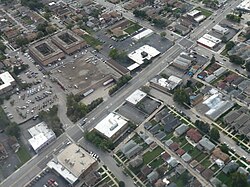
(7, 82)
(209, 41)
(45, 52)
(112, 126)
(68, 41)
(244, 6)
(221, 30)
(73, 163)
(41, 136)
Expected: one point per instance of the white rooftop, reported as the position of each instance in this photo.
(7, 79)
(133, 66)
(206, 42)
(40, 135)
(136, 97)
(245, 5)
(212, 38)
(142, 34)
(175, 79)
(137, 57)
(111, 124)
(200, 18)
(193, 13)
(75, 159)
(221, 29)
(66, 174)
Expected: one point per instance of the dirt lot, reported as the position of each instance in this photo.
(84, 73)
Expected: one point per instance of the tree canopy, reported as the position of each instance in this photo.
(236, 59)
(239, 180)
(229, 45)
(121, 184)
(214, 134)
(13, 130)
(202, 126)
(181, 96)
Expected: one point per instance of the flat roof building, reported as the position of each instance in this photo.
(142, 34)
(7, 82)
(73, 163)
(45, 52)
(145, 52)
(220, 29)
(244, 6)
(194, 13)
(136, 97)
(68, 41)
(112, 126)
(209, 41)
(41, 136)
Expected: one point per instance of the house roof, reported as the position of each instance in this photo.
(165, 156)
(194, 135)
(207, 174)
(145, 170)
(153, 176)
(206, 144)
(217, 153)
(230, 167)
(186, 157)
(181, 129)
(180, 152)
(174, 146)
(200, 168)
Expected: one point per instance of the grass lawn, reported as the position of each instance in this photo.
(169, 136)
(215, 167)
(181, 140)
(206, 163)
(130, 30)
(226, 179)
(91, 40)
(200, 157)
(205, 12)
(150, 155)
(182, 179)
(23, 155)
(156, 162)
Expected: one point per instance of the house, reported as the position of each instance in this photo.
(153, 176)
(194, 135)
(174, 146)
(206, 144)
(3, 153)
(180, 152)
(186, 157)
(137, 161)
(231, 116)
(131, 148)
(182, 29)
(173, 162)
(218, 154)
(230, 167)
(145, 170)
(160, 183)
(170, 122)
(180, 169)
(200, 168)
(207, 174)
(13, 143)
(161, 115)
(194, 163)
(165, 156)
(181, 129)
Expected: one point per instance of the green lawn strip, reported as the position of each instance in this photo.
(156, 162)
(206, 163)
(181, 140)
(130, 30)
(192, 151)
(91, 40)
(205, 12)
(215, 167)
(200, 157)
(225, 179)
(169, 136)
(150, 155)
(23, 155)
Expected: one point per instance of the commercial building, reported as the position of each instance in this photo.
(73, 163)
(182, 63)
(244, 6)
(136, 97)
(41, 136)
(45, 52)
(169, 84)
(7, 82)
(145, 52)
(142, 34)
(221, 30)
(68, 41)
(112, 126)
(209, 41)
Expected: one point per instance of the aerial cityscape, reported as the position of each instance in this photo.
(125, 93)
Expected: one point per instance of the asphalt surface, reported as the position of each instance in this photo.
(30, 169)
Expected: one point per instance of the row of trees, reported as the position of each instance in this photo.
(77, 110)
(120, 56)
(181, 96)
(205, 128)
(233, 17)
(121, 82)
(52, 120)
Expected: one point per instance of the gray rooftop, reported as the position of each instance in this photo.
(206, 144)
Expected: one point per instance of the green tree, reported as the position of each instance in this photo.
(13, 130)
(213, 59)
(2, 47)
(160, 23)
(140, 14)
(47, 16)
(229, 45)
(214, 134)
(224, 148)
(236, 59)
(248, 66)
(204, 127)
(239, 180)
(163, 34)
(21, 41)
(181, 96)
(121, 184)
(114, 53)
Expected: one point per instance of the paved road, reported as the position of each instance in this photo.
(25, 173)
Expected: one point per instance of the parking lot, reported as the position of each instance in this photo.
(48, 178)
(83, 73)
